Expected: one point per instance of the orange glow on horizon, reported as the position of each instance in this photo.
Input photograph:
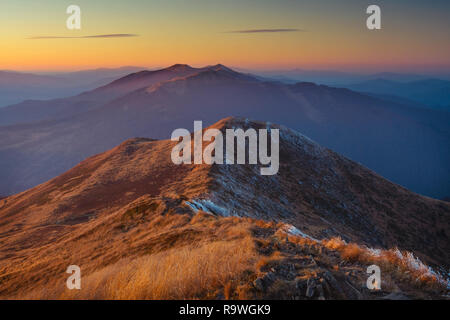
(182, 33)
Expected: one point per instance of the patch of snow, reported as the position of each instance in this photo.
(374, 252)
(294, 231)
(193, 206)
(207, 206)
(398, 253)
(416, 264)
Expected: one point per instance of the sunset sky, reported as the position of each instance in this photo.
(326, 34)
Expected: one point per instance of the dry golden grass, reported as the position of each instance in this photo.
(194, 271)
(402, 265)
(186, 273)
(208, 257)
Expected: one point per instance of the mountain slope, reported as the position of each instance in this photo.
(405, 145)
(132, 201)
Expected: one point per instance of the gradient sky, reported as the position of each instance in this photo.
(414, 37)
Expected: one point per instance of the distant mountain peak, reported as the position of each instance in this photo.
(219, 66)
(177, 71)
(204, 76)
(179, 67)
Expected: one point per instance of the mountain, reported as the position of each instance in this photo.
(99, 76)
(143, 79)
(16, 87)
(336, 78)
(433, 93)
(316, 76)
(26, 79)
(33, 111)
(397, 77)
(421, 90)
(405, 145)
(129, 217)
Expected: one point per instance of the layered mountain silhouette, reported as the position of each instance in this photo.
(16, 87)
(32, 110)
(431, 93)
(40, 140)
(132, 201)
